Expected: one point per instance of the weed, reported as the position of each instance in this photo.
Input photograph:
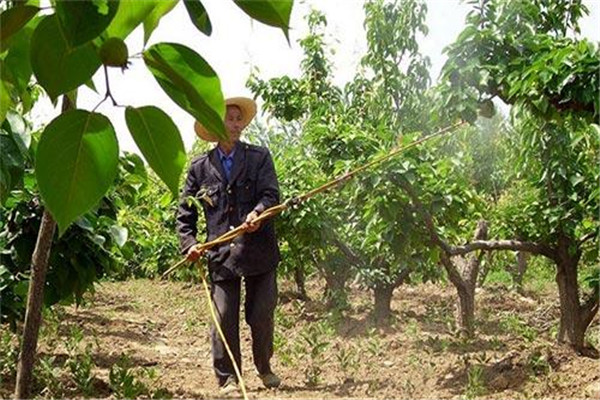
(313, 346)
(9, 353)
(538, 363)
(48, 376)
(194, 325)
(154, 391)
(374, 346)
(281, 347)
(414, 360)
(514, 325)
(80, 364)
(409, 388)
(412, 330)
(52, 317)
(127, 383)
(539, 275)
(283, 319)
(123, 381)
(347, 358)
(593, 338)
(436, 344)
(475, 382)
(496, 343)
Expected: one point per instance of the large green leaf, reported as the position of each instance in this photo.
(16, 66)
(59, 67)
(190, 82)
(161, 9)
(14, 19)
(84, 20)
(199, 16)
(5, 100)
(271, 12)
(76, 162)
(130, 14)
(160, 142)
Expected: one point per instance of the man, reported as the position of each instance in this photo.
(235, 182)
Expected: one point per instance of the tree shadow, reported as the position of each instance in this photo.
(494, 378)
(94, 324)
(345, 389)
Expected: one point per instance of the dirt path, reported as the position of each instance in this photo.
(164, 326)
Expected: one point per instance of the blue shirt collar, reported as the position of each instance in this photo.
(222, 155)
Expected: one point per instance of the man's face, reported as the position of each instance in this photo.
(233, 123)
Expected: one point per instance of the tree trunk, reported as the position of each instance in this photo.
(574, 316)
(35, 300)
(463, 273)
(383, 302)
(483, 273)
(336, 276)
(519, 273)
(335, 290)
(466, 309)
(570, 330)
(35, 295)
(300, 281)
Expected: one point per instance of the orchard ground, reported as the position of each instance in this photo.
(163, 327)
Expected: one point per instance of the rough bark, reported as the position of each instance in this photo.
(383, 302)
(383, 293)
(522, 259)
(574, 316)
(300, 280)
(463, 273)
(35, 299)
(335, 286)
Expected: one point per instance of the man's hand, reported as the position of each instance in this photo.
(194, 254)
(250, 225)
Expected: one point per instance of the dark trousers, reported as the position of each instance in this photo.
(261, 298)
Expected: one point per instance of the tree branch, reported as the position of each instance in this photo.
(587, 237)
(514, 245)
(589, 309)
(346, 250)
(437, 239)
(403, 275)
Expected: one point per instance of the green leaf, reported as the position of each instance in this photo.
(12, 164)
(159, 141)
(16, 67)
(13, 19)
(84, 20)
(129, 15)
(59, 67)
(161, 9)
(199, 16)
(76, 162)
(119, 234)
(190, 82)
(5, 101)
(271, 12)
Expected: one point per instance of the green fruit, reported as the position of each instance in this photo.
(114, 53)
(487, 109)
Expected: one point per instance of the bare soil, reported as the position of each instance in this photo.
(324, 354)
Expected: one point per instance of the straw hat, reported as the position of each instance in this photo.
(247, 107)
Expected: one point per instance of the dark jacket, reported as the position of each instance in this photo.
(253, 186)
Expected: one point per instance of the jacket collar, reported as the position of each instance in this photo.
(239, 162)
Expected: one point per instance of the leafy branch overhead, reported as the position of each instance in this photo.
(524, 56)
(64, 49)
